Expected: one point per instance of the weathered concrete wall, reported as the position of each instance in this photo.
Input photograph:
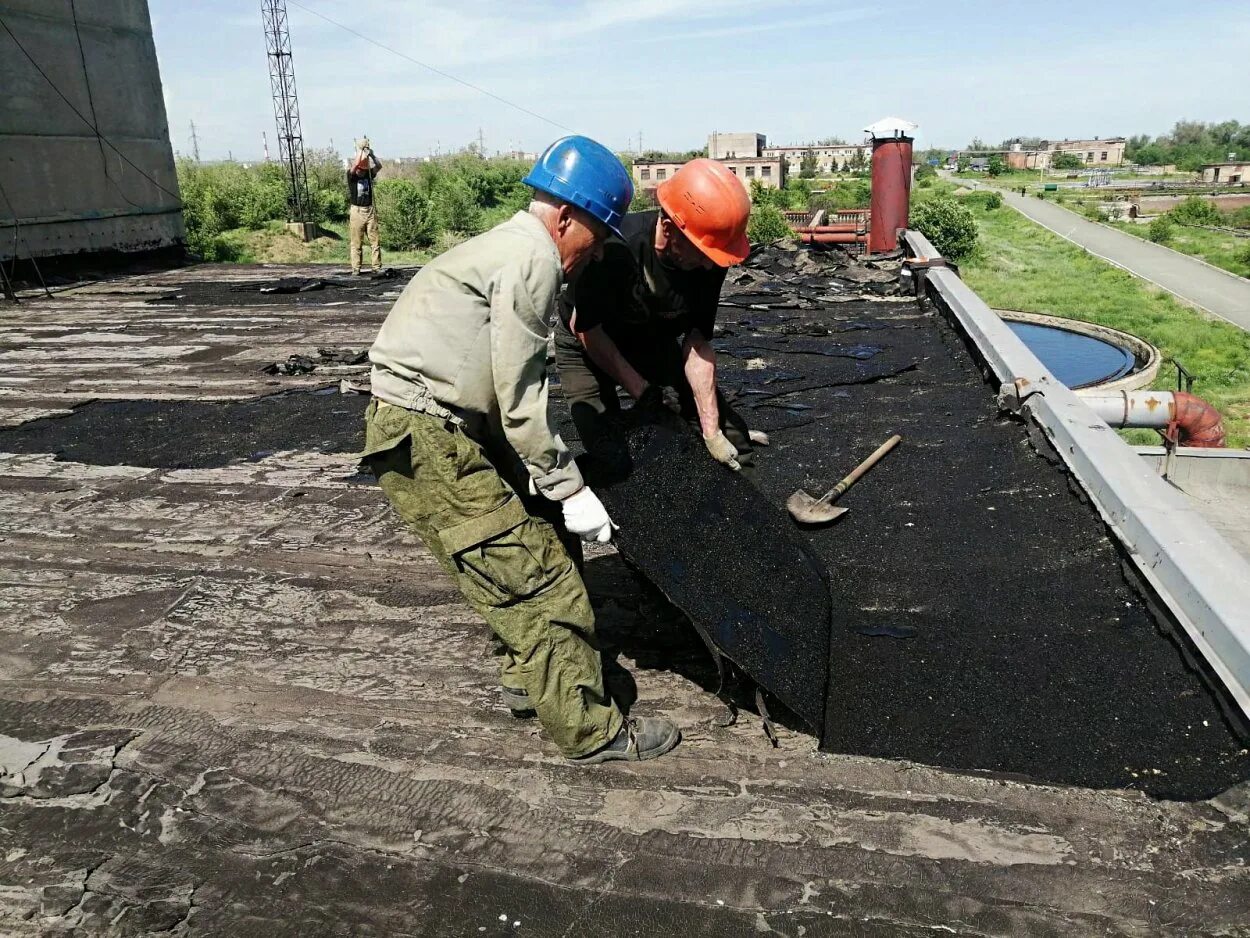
(66, 190)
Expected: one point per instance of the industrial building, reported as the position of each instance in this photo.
(1096, 152)
(767, 171)
(721, 146)
(84, 142)
(829, 159)
(1232, 174)
(1107, 151)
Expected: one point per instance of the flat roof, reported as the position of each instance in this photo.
(236, 693)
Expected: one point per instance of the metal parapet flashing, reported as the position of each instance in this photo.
(1197, 574)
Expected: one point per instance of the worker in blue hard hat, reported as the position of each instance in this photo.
(458, 437)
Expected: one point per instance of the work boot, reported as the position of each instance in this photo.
(639, 739)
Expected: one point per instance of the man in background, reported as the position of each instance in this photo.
(363, 216)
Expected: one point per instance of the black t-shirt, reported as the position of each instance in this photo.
(360, 188)
(635, 295)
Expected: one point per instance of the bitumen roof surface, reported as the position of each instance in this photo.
(235, 696)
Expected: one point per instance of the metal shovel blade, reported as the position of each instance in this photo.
(807, 510)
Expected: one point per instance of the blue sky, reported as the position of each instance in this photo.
(675, 70)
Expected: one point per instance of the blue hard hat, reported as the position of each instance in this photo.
(587, 174)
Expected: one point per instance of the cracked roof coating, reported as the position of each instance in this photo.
(238, 698)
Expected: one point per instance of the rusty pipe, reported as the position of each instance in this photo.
(1187, 417)
(833, 237)
(891, 191)
(1198, 423)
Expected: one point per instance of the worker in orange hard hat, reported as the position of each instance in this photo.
(641, 318)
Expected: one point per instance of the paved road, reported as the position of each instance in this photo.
(1217, 291)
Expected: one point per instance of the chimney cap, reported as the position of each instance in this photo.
(890, 127)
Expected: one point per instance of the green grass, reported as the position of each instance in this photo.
(1012, 179)
(273, 244)
(1217, 248)
(1021, 265)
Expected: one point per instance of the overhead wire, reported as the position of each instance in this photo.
(430, 68)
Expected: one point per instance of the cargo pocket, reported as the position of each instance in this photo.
(503, 556)
(385, 429)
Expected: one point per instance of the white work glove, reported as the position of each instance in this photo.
(722, 450)
(758, 437)
(585, 516)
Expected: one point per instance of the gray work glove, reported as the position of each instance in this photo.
(722, 450)
(585, 516)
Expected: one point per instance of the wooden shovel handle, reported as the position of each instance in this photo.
(863, 467)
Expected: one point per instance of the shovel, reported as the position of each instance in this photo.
(807, 510)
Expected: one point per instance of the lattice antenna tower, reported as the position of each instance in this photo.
(286, 107)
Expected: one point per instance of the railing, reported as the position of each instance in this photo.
(851, 214)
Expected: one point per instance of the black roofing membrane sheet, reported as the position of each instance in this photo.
(755, 589)
(1031, 654)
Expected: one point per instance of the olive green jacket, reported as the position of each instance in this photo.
(467, 341)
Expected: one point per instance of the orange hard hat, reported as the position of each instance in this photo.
(711, 207)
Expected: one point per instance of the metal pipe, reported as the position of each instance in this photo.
(891, 191)
(833, 237)
(1193, 421)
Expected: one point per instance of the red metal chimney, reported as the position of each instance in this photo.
(891, 182)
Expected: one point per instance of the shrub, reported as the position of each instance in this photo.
(1160, 230)
(767, 224)
(1243, 256)
(996, 165)
(1240, 218)
(925, 171)
(1093, 212)
(406, 216)
(982, 199)
(1196, 211)
(846, 193)
(949, 225)
(457, 207)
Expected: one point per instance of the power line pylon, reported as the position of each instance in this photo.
(286, 108)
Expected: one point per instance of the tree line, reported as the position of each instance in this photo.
(1190, 144)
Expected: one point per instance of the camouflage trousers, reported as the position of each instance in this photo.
(508, 562)
(361, 222)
